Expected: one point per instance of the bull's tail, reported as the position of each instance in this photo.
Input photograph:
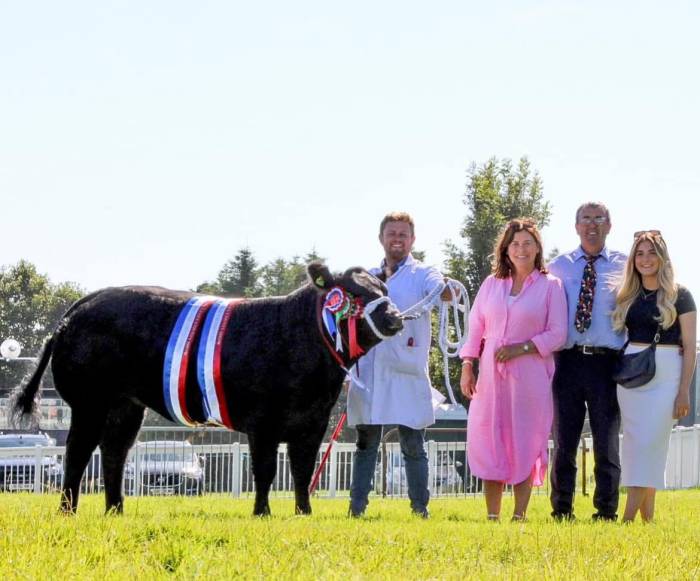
(24, 399)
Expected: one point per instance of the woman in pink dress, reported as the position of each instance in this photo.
(520, 317)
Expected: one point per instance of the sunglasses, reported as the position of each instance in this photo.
(598, 220)
(652, 233)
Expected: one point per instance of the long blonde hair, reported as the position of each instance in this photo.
(631, 284)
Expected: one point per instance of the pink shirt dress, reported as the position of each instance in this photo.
(510, 416)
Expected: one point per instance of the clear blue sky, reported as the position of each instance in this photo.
(147, 142)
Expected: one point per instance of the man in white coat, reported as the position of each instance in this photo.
(395, 385)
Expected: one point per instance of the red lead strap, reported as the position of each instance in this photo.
(354, 351)
(334, 437)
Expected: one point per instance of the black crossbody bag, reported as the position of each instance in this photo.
(637, 369)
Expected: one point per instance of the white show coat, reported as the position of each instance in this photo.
(397, 389)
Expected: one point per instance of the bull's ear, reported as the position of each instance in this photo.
(320, 276)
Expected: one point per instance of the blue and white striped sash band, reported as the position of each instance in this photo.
(210, 315)
(177, 356)
(209, 362)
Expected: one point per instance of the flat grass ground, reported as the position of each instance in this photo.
(216, 538)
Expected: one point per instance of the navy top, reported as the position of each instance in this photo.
(641, 318)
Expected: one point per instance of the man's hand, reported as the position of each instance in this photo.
(446, 294)
(467, 382)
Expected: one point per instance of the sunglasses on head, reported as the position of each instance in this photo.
(653, 233)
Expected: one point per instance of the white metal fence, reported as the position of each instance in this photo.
(168, 464)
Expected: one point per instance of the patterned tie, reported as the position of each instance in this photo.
(585, 295)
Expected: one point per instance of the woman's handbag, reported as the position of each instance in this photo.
(637, 369)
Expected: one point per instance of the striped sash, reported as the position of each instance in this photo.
(204, 318)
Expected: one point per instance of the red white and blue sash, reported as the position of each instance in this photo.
(210, 315)
(209, 362)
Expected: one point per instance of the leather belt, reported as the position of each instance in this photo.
(593, 350)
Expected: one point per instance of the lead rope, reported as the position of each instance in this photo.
(459, 301)
(424, 305)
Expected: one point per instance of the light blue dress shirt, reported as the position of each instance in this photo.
(609, 267)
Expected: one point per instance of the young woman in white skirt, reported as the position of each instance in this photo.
(650, 301)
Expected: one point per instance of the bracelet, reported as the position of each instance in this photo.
(467, 362)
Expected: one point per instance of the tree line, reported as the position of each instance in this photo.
(242, 277)
(496, 191)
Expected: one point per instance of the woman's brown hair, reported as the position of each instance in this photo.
(502, 267)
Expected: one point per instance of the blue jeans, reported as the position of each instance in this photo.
(365, 461)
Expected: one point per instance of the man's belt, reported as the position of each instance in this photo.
(593, 350)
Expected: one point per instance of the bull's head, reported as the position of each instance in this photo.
(375, 318)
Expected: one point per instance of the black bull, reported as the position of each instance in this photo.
(279, 377)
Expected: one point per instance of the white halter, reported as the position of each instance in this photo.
(370, 307)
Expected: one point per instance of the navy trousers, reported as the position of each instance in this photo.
(585, 381)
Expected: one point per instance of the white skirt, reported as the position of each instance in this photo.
(647, 420)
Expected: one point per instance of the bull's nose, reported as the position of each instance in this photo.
(395, 323)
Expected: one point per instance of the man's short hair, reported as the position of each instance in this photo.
(397, 217)
(600, 205)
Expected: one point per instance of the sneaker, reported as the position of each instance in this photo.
(563, 516)
(599, 516)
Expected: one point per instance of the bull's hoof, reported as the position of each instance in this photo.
(262, 511)
(67, 505)
(114, 511)
(303, 510)
(67, 510)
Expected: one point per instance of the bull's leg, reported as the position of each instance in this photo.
(84, 434)
(302, 457)
(263, 451)
(121, 429)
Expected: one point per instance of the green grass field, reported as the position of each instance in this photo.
(216, 537)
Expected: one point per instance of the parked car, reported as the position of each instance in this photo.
(19, 472)
(165, 468)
